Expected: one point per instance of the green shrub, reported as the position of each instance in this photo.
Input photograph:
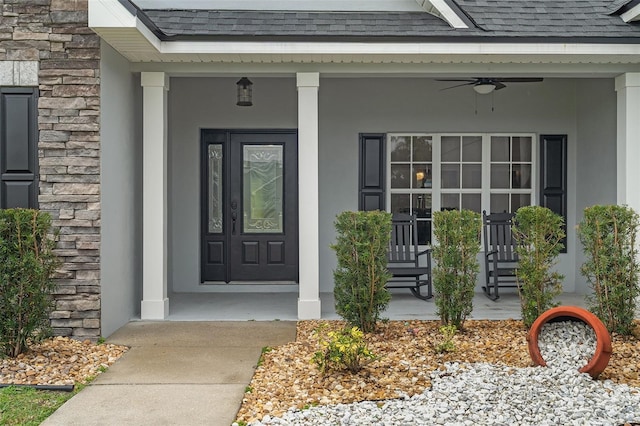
(538, 233)
(446, 344)
(455, 274)
(608, 237)
(341, 350)
(360, 278)
(27, 263)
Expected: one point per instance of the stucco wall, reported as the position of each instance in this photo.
(347, 107)
(121, 257)
(596, 156)
(375, 105)
(196, 103)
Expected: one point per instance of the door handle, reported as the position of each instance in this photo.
(234, 216)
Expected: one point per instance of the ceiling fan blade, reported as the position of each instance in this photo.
(498, 83)
(470, 83)
(519, 80)
(470, 80)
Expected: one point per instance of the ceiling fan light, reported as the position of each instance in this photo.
(484, 88)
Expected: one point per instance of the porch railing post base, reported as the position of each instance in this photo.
(308, 309)
(154, 309)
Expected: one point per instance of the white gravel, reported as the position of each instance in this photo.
(486, 394)
(567, 344)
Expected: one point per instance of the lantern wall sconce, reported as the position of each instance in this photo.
(244, 92)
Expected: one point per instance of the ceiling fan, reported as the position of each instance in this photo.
(486, 85)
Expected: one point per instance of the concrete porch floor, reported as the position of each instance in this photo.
(283, 306)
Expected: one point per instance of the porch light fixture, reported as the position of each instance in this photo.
(484, 88)
(244, 92)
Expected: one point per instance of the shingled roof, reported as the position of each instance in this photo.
(278, 24)
(494, 20)
(549, 18)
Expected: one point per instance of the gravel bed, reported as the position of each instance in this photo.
(489, 380)
(486, 394)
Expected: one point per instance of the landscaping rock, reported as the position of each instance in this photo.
(408, 366)
(59, 361)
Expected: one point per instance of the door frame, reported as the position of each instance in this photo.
(225, 194)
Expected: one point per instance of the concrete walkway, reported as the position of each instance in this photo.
(176, 373)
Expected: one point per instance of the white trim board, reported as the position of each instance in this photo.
(266, 48)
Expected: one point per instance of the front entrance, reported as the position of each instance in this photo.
(249, 205)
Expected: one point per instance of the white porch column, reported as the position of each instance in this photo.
(628, 143)
(155, 304)
(309, 288)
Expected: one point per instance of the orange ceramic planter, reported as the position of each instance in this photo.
(600, 358)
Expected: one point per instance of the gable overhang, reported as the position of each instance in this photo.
(446, 10)
(632, 14)
(119, 26)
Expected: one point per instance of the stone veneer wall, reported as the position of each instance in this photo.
(53, 35)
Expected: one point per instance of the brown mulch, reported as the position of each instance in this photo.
(406, 356)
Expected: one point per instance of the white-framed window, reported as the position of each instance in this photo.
(429, 172)
(512, 172)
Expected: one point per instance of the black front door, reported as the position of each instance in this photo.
(249, 206)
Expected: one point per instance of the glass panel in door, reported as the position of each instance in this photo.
(215, 188)
(262, 189)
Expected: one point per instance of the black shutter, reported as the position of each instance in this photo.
(553, 176)
(18, 147)
(371, 182)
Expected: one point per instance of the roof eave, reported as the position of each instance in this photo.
(470, 38)
(119, 26)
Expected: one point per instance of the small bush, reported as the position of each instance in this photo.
(27, 263)
(538, 232)
(608, 236)
(341, 350)
(360, 278)
(455, 274)
(446, 344)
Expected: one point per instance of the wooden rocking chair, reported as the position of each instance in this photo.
(404, 258)
(501, 259)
